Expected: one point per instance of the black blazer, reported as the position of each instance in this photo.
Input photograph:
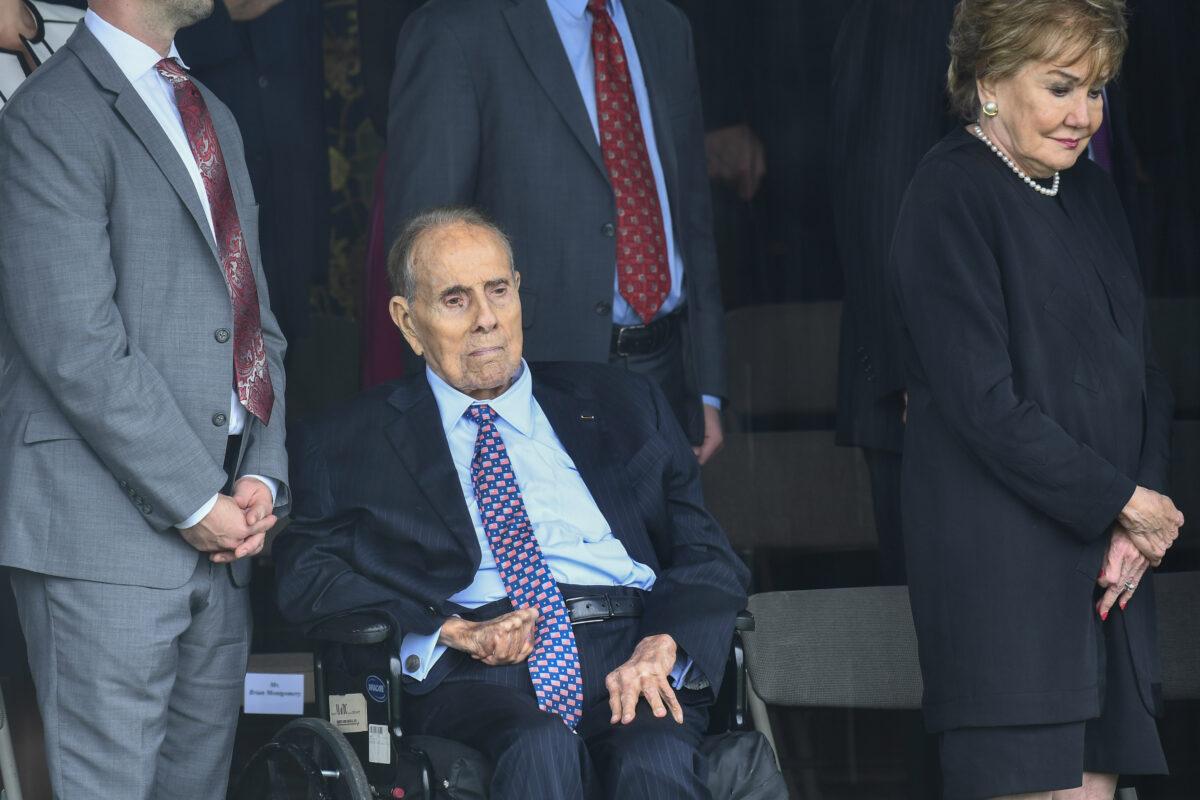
(1035, 408)
(485, 111)
(888, 107)
(379, 520)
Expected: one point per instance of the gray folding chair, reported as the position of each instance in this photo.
(856, 648)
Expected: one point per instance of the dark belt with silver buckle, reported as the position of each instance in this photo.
(599, 607)
(640, 340)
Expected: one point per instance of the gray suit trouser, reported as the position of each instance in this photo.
(139, 688)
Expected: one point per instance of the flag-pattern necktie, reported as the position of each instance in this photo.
(643, 275)
(251, 373)
(554, 662)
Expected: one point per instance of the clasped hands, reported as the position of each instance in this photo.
(236, 527)
(1144, 531)
(509, 639)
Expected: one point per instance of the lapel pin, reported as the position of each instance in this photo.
(587, 418)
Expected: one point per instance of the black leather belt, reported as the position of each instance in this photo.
(640, 340)
(599, 607)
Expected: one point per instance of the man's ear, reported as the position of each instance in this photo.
(401, 315)
(517, 280)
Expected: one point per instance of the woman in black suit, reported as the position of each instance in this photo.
(1038, 427)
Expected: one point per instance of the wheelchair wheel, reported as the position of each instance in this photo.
(309, 759)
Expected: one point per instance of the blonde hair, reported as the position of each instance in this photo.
(996, 38)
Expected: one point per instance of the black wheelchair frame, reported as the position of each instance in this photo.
(357, 654)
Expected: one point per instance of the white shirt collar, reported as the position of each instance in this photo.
(134, 57)
(515, 406)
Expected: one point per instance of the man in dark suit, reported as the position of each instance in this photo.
(595, 173)
(889, 108)
(489, 507)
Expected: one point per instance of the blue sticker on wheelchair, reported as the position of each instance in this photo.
(376, 688)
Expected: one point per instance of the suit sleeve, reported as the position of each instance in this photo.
(706, 316)
(701, 583)
(952, 304)
(433, 123)
(316, 567)
(57, 286)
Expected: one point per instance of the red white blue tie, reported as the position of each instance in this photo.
(554, 663)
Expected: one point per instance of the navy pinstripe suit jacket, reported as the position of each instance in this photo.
(379, 520)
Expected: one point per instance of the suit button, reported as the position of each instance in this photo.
(123, 484)
(263, 82)
(145, 509)
(412, 663)
(431, 610)
(219, 419)
(221, 335)
(608, 229)
(604, 308)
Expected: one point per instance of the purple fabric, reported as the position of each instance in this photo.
(1101, 146)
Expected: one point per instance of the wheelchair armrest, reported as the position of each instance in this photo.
(744, 621)
(357, 627)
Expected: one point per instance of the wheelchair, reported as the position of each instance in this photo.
(356, 663)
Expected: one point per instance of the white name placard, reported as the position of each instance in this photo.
(274, 693)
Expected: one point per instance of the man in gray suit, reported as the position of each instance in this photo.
(141, 405)
(595, 173)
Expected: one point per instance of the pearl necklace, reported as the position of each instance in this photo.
(1037, 187)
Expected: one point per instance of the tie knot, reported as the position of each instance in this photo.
(597, 7)
(169, 68)
(480, 413)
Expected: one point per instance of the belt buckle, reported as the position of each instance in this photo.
(621, 331)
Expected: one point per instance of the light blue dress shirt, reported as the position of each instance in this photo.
(576, 540)
(574, 24)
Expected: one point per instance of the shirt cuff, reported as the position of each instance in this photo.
(200, 514)
(421, 651)
(711, 400)
(683, 665)
(271, 484)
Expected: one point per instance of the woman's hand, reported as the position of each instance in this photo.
(1124, 566)
(1152, 522)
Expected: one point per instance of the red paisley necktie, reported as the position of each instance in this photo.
(250, 370)
(644, 278)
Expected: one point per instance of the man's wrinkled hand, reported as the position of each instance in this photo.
(507, 639)
(714, 437)
(735, 157)
(224, 533)
(1152, 522)
(646, 674)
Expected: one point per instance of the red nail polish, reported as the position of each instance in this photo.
(1104, 617)
(1123, 602)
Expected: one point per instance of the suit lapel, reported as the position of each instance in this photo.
(417, 437)
(535, 34)
(583, 429)
(137, 116)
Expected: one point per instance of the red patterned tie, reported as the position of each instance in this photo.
(554, 662)
(250, 370)
(644, 278)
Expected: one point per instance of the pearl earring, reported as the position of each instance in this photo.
(990, 108)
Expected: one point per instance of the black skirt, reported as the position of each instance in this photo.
(980, 763)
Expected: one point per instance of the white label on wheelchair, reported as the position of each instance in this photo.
(348, 712)
(271, 693)
(379, 745)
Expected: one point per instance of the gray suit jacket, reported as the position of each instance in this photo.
(111, 294)
(485, 111)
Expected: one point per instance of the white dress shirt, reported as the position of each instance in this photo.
(136, 60)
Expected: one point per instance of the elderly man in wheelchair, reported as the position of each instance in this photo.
(532, 537)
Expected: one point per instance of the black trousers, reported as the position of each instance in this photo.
(671, 368)
(884, 468)
(535, 755)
